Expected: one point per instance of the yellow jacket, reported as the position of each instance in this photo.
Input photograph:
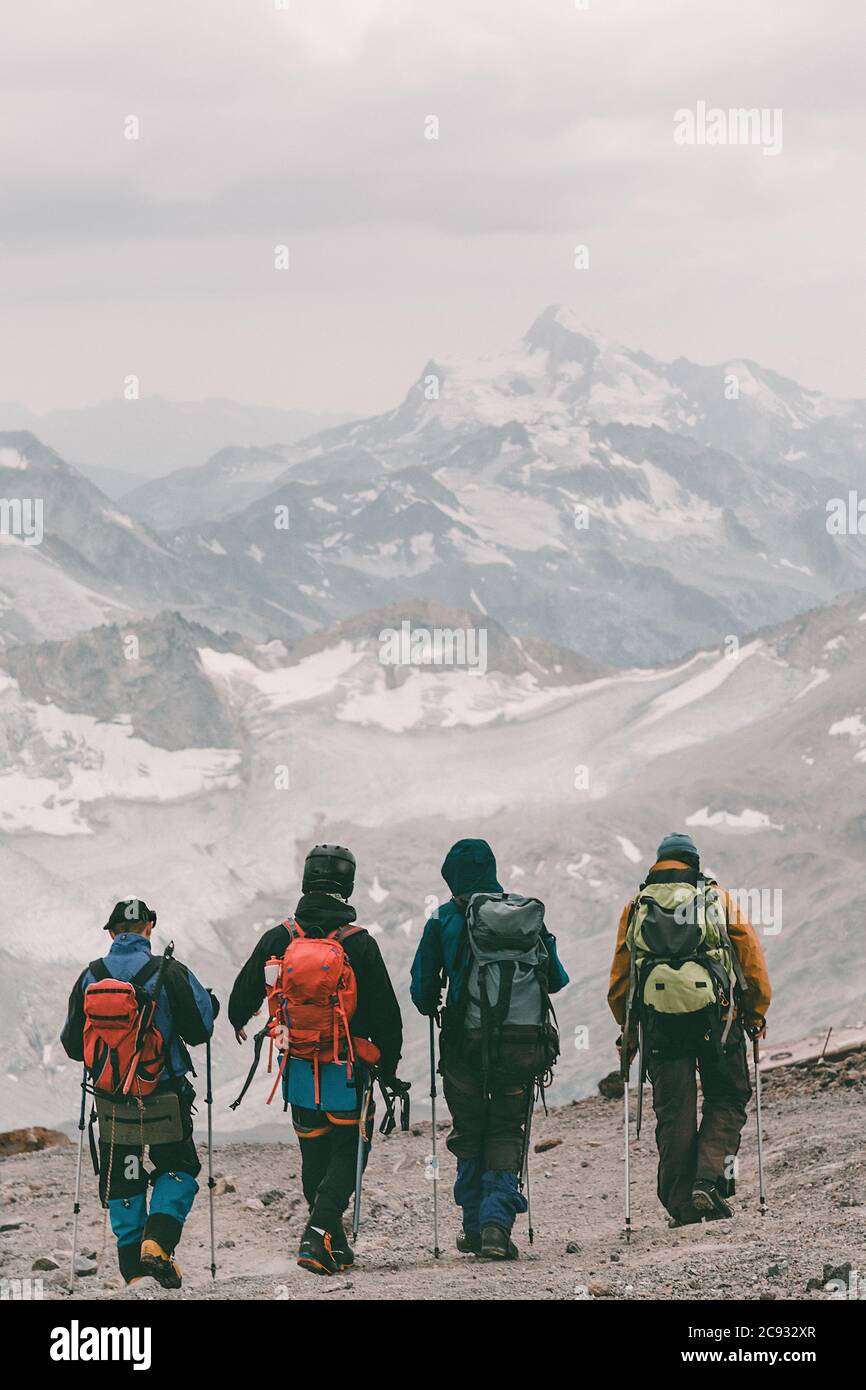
(744, 939)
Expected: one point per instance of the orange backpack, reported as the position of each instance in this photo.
(312, 996)
(124, 1051)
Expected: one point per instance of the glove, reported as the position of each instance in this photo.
(632, 1048)
(393, 1089)
(756, 1026)
(395, 1085)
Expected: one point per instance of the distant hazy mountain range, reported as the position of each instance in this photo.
(570, 489)
(119, 444)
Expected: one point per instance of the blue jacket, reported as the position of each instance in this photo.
(185, 1010)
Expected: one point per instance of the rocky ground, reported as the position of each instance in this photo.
(816, 1222)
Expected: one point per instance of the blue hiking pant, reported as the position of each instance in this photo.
(488, 1197)
(123, 1187)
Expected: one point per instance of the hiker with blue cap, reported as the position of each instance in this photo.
(687, 984)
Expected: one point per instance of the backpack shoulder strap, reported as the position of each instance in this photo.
(293, 928)
(342, 932)
(147, 971)
(99, 970)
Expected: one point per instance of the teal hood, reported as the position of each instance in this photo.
(470, 867)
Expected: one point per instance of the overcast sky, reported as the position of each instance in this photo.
(306, 126)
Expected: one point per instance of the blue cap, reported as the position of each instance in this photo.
(677, 844)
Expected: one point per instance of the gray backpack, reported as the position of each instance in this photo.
(507, 1003)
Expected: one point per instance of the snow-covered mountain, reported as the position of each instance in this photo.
(80, 560)
(572, 774)
(569, 487)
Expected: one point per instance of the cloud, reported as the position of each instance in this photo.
(260, 125)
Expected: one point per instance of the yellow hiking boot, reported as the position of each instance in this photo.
(164, 1269)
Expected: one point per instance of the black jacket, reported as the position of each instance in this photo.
(378, 1014)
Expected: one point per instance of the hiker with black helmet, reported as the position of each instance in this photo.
(131, 1018)
(498, 1035)
(688, 982)
(333, 1018)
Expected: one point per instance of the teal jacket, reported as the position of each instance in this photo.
(443, 956)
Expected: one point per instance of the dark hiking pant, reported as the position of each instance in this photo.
(123, 1186)
(329, 1157)
(487, 1140)
(688, 1151)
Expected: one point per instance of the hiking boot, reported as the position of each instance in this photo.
(129, 1262)
(341, 1251)
(155, 1261)
(315, 1252)
(689, 1217)
(469, 1242)
(496, 1244)
(707, 1200)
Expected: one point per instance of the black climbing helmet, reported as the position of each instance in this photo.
(329, 869)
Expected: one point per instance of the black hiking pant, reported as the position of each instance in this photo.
(329, 1157)
(689, 1151)
(488, 1130)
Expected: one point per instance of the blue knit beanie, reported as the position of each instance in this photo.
(678, 845)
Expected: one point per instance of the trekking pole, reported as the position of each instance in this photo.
(435, 1160)
(524, 1169)
(625, 1072)
(641, 1077)
(76, 1206)
(627, 1174)
(762, 1196)
(359, 1162)
(210, 1178)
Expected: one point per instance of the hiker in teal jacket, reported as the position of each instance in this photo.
(487, 1136)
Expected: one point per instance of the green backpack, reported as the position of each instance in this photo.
(682, 959)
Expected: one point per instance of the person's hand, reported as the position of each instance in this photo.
(395, 1085)
(632, 1049)
(756, 1027)
(240, 1035)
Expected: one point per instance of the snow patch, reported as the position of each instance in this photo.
(10, 458)
(377, 892)
(630, 851)
(745, 820)
(852, 727)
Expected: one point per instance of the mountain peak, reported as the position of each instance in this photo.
(558, 329)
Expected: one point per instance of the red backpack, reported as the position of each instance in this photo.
(312, 997)
(123, 1049)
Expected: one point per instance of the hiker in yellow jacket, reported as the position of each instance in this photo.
(682, 1031)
